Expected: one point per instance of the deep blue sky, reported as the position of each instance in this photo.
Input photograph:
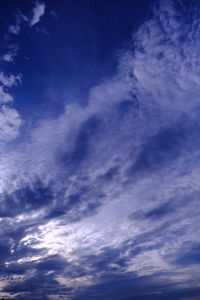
(81, 46)
(99, 149)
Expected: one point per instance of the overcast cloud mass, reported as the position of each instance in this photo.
(100, 150)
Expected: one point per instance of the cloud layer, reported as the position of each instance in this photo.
(102, 201)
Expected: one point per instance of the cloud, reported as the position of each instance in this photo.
(107, 194)
(4, 96)
(15, 29)
(23, 20)
(38, 12)
(17, 26)
(7, 57)
(158, 58)
(10, 123)
(10, 120)
(9, 80)
(10, 53)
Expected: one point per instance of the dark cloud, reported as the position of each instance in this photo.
(82, 143)
(128, 106)
(157, 213)
(110, 174)
(52, 263)
(189, 254)
(42, 282)
(124, 287)
(167, 145)
(102, 263)
(160, 212)
(78, 205)
(162, 148)
(26, 199)
(174, 207)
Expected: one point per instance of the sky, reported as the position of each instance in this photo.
(99, 149)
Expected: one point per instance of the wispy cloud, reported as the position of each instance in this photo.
(7, 57)
(38, 12)
(10, 119)
(112, 187)
(23, 20)
(9, 80)
(15, 29)
(10, 53)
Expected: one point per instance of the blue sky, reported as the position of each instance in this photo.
(99, 150)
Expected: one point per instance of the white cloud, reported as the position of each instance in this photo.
(10, 122)
(9, 80)
(166, 60)
(4, 96)
(7, 57)
(82, 281)
(10, 54)
(15, 29)
(164, 79)
(38, 12)
(21, 20)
